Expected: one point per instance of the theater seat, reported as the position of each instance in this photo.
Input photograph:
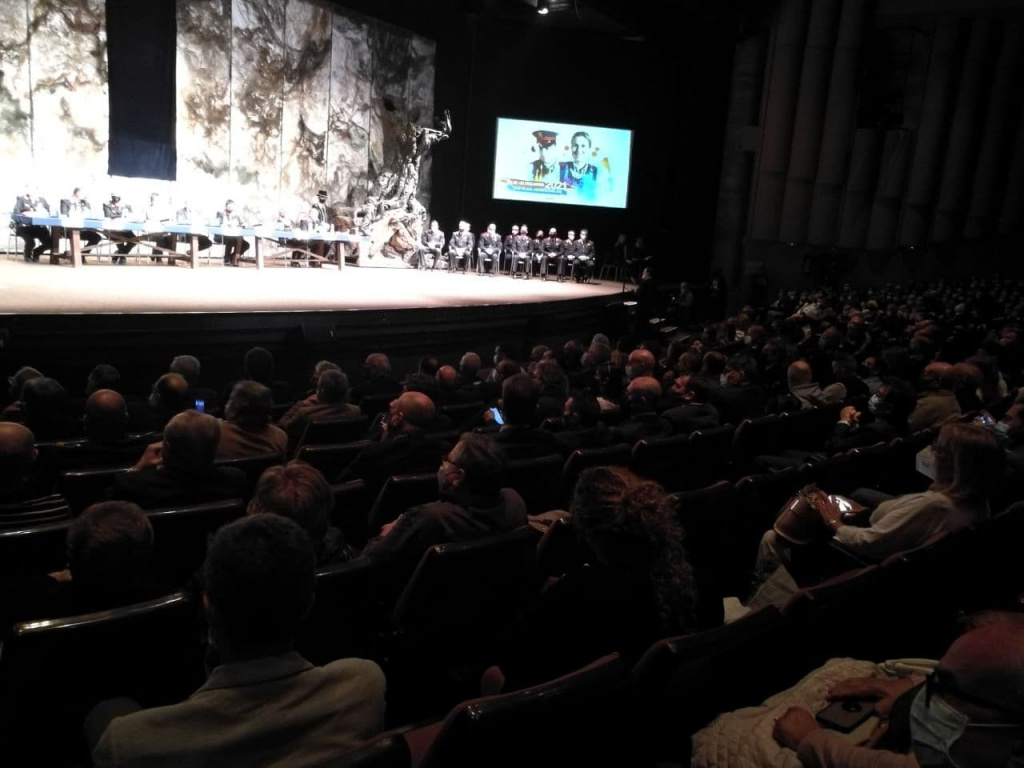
(398, 494)
(582, 458)
(574, 720)
(324, 431)
(331, 458)
(180, 535)
(82, 487)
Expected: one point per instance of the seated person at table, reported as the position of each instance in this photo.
(28, 204)
(158, 212)
(188, 215)
(114, 210)
(234, 245)
(263, 703)
(78, 207)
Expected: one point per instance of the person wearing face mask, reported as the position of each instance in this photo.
(968, 472)
(968, 712)
(739, 395)
(885, 420)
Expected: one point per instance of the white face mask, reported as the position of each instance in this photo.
(942, 736)
(723, 380)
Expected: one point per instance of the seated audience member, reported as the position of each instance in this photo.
(936, 404)
(554, 389)
(844, 368)
(44, 403)
(968, 469)
(332, 402)
(469, 371)
(581, 425)
(426, 384)
(314, 379)
(967, 712)
(107, 440)
(379, 380)
(405, 446)
(15, 408)
(695, 412)
(169, 396)
(101, 376)
(109, 549)
(181, 469)
(635, 587)
(802, 386)
(519, 437)
(300, 492)
(885, 420)
(472, 505)
(258, 365)
(739, 396)
(19, 482)
(449, 391)
(968, 383)
(189, 367)
(262, 703)
(643, 394)
(246, 429)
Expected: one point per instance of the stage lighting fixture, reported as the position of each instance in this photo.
(542, 7)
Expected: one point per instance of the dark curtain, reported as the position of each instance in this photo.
(141, 38)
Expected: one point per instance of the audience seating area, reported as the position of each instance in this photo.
(435, 635)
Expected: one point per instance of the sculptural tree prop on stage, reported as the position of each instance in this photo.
(394, 218)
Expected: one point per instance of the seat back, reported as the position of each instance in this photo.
(180, 536)
(33, 550)
(325, 431)
(349, 514)
(832, 474)
(809, 429)
(582, 458)
(901, 475)
(559, 551)
(662, 459)
(347, 616)
(52, 672)
(461, 594)
(755, 437)
(82, 487)
(253, 467)
(331, 459)
(572, 720)
(47, 509)
(538, 481)
(398, 494)
(459, 413)
(389, 750)
(371, 405)
(710, 456)
(708, 516)
(678, 685)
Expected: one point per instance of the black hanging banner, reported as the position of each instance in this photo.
(141, 39)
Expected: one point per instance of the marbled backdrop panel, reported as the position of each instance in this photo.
(306, 103)
(204, 102)
(15, 101)
(348, 135)
(275, 98)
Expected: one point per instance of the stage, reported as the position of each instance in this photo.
(62, 319)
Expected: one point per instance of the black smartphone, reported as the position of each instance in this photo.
(845, 715)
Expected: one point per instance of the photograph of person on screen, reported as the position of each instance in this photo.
(579, 173)
(545, 167)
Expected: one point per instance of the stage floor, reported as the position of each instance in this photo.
(47, 289)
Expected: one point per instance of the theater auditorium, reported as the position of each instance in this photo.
(511, 382)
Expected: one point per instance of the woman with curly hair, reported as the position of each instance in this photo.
(634, 587)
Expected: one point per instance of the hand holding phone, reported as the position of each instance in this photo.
(845, 715)
(496, 415)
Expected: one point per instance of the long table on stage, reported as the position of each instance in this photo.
(146, 231)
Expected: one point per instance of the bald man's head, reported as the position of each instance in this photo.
(643, 394)
(377, 364)
(409, 412)
(171, 394)
(799, 373)
(641, 362)
(470, 364)
(17, 454)
(447, 377)
(106, 416)
(190, 441)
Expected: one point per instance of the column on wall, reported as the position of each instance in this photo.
(962, 149)
(892, 177)
(780, 107)
(860, 186)
(1011, 217)
(810, 113)
(839, 121)
(931, 136)
(737, 153)
(996, 135)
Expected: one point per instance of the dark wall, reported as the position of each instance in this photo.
(672, 97)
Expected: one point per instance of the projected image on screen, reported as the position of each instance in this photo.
(545, 162)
